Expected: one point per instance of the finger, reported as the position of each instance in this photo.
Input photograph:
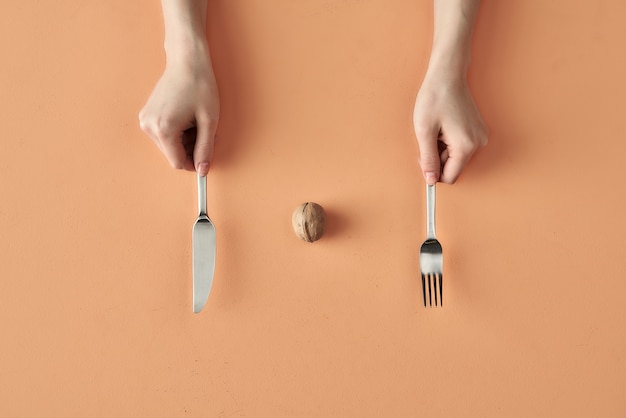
(429, 154)
(176, 155)
(443, 156)
(167, 137)
(454, 166)
(203, 149)
(171, 145)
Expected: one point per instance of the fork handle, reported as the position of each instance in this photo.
(430, 210)
(201, 195)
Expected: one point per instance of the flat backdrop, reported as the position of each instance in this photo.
(317, 99)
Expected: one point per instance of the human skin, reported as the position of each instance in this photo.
(186, 95)
(447, 123)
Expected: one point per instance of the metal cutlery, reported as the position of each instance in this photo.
(204, 250)
(431, 255)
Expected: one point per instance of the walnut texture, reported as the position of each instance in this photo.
(309, 221)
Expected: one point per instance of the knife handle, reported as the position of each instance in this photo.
(201, 195)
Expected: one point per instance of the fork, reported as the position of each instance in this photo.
(431, 254)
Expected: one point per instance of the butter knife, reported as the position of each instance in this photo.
(204, 251)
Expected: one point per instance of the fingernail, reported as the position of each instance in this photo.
(431, 178)
(203, 169)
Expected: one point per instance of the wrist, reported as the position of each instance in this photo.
(449, 61)
(444, 76)
(185, 28)
(186, 49)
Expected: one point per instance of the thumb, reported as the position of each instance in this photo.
(203, 149)
(429, 155)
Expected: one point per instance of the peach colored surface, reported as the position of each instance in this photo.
(317, 95)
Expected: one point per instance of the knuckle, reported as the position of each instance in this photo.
(468, 145)
(463, 148)
(164, 128)
(204, 148)
(144, 123)
(429, 159)
(177, 164)
(208, 119)
(484, 138)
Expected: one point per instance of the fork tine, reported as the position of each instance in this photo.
(424, 288)
(441, 289)
(430, 295)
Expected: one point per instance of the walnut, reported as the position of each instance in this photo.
(309, 221)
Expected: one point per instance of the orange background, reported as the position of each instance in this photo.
(317, 96)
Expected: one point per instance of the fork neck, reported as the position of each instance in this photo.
(430, 210)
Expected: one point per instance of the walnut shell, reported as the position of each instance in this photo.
(309, 221)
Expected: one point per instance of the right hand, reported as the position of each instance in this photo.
(448, 126)
(185, 97)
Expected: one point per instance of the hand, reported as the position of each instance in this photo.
(185, 97)
(448, 127)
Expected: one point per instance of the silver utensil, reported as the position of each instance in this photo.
(431, 254)
(203, 251)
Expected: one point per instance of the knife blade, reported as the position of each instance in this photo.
(204, 250)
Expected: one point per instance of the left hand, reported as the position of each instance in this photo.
(448, 127)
